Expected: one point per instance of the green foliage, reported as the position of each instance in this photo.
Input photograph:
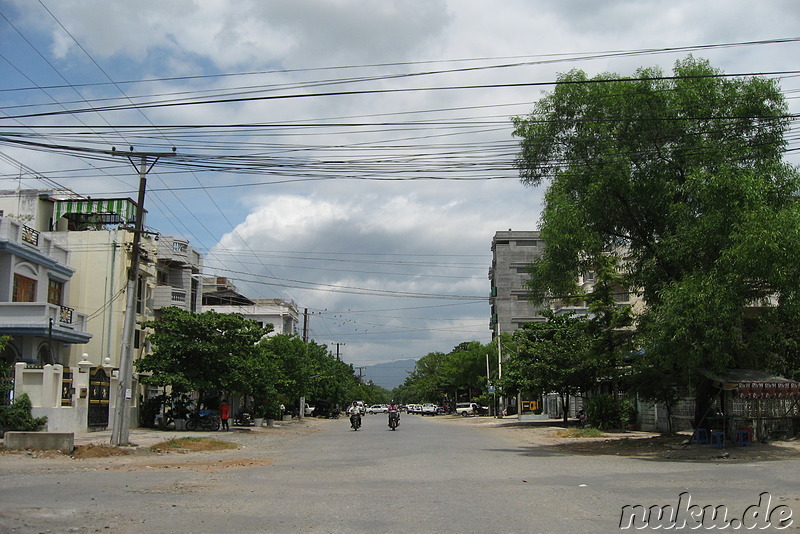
(682, 178)
(460, 373)
(551, 357)
(202, 351)
(17, 416)
(602, 411)
(627, 411)
(148, 409)
(226, 352)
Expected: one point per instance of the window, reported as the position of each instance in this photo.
(527, 243)
(24, 289)
(54, 291)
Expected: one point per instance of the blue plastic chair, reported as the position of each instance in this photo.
(700, 436)
(744, 437)
(718, 440)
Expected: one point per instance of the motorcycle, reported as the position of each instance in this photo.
(205, 421)
(355, 421)
(583, 421)
(243, 419)
(394, 420)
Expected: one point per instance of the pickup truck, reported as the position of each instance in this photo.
(470, 408)
(428, 409)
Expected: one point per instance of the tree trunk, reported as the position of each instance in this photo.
(702, 403)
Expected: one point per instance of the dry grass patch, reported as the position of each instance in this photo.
(98, 451)
(193, 444)
(579, 433)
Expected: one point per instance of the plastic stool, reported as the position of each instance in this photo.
(744, 437)
(718, 440)
(700, 436)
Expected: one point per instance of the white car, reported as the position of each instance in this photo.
(378, 408)
(429, 409)
(470, 408)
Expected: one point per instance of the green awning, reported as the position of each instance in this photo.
(124, 207)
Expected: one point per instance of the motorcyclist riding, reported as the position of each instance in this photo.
(355, 415)
(394, 413)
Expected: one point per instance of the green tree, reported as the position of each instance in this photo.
(203, 351)
(684, 177)
(551, 356)
(608, 324)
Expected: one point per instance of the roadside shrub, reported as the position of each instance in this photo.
(602, 411)
(148, 409)
(17, 416)
(627, 414)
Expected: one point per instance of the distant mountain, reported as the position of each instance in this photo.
(389, 375)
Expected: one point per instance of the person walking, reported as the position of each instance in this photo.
(224, 413)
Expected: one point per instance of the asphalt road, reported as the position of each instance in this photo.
(431, 475)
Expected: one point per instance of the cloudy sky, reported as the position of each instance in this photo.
(353, 156)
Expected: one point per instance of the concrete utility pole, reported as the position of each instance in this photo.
(338, 359)
(120, 432)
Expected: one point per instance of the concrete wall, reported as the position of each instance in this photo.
(40, 441)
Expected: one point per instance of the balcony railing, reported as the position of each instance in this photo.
(38, 313)
(29, 235)
(65, 316)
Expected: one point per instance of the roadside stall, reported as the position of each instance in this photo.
(754, 405)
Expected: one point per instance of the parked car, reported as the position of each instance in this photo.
(470, 408)
(378, 408)
(429, 409)
(414, 408)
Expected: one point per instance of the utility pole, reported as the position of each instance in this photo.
(338, 359)
(121, 429)
(305, 325)
(360, 373)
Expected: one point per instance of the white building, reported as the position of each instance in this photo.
(221, 296)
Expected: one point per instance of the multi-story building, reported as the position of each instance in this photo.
(512, 252)
(220, 295)
(36, 279)
(98, 233)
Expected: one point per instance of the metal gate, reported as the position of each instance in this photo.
(99, 394)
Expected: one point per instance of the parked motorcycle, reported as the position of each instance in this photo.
(394, 420)
(355, 421)
(243, 419)
(205, 421)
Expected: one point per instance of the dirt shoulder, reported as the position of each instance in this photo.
(643, 445)
(251, 447)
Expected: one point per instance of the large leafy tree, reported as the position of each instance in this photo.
(683, 177)
(205, 352)
(552, 356)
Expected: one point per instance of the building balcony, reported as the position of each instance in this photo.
(165, 296)
(36, 318)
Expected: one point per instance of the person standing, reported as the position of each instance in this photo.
(224, 413)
